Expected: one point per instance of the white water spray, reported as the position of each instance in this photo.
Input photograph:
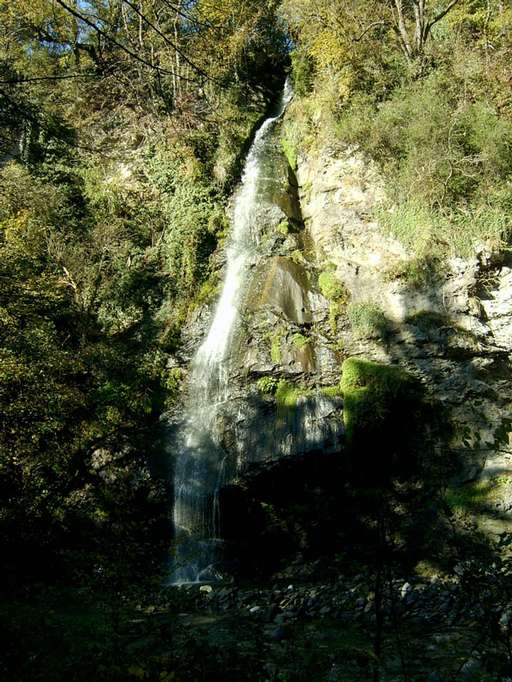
(200, 463)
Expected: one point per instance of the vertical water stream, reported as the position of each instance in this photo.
(200, 461)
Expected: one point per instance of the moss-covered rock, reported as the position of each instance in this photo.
(381, 412)
(287, 395)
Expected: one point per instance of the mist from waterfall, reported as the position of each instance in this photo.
(199, 470)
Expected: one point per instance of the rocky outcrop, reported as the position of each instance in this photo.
(452, 329)
(279, 372)
(327, 283)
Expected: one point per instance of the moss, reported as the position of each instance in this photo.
(208, 290)
(284, 227)
(331, 391)
(377, 399)
(275, 346)
(299, 340)
(368, 320)
(360, 373)
(335, 292)
(290, 152)
(287, 396)
(331, 287)
(416, 273)
(297, 257)
(334, 312)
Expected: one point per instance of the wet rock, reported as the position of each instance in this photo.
(405, 590)
(280, 633)
(472, 669)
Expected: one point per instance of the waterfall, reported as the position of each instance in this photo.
(200, 461)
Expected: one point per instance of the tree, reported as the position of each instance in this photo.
(334, 31)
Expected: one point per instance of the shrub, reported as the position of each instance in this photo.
(302, 72)
(267, 385)
(416, 273)
(430, 234)
(367, 320)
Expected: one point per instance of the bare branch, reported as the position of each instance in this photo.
(100, 31)
(402, 30)
(439, 16)
(166, 39)
(369, 28)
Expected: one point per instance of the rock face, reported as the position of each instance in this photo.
(279, 372)
(453, 329)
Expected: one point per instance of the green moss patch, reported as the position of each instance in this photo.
(275, 346)
(287, 395)
(290, 151)
(381, 412)
(284, 227)
(330, 286)
(300, 341)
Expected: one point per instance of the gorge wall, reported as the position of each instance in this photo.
(328, 282)
(450, 326)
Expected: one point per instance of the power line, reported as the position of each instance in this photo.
(132, 54)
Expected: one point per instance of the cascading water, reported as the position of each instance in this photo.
(200, 462)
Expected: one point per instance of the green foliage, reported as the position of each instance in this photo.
(473, 497)
(334, 312)
(428, 232)
(297, 257)
(209, 289)
(331, 391)
(83, 381)
(287, 395)
(438, 121)
(302, 72)
(416, 273)
(368, 320)
(335, 292)
(267, 385)
(331, 287)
